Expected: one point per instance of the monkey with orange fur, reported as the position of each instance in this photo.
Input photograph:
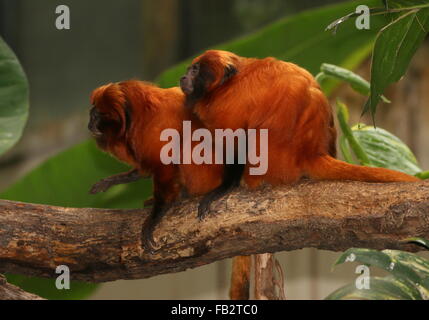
(126, 120)
(228, 91)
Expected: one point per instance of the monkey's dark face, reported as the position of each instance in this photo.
(103, 126)
(109, 118)
(196, 80)
(94, 125)
(202, 78)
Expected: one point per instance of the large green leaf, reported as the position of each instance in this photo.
(408, 279)
(394, 47)
(302, 39)
(46, 288)
(388, 288)
(382, 260)
(358, 83)
(13, 98)
(417, 263)
(385, 149)
(65, 180)
(375, 146)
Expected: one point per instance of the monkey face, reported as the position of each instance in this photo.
(103, 126)
(106, 117)
(94, 125)
(207, 72)
(188, 81)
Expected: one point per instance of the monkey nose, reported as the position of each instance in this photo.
(186, 87)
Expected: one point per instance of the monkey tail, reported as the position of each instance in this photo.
(328, 168)
(240, 278)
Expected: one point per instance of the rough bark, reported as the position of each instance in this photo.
(10, 292)
(269, 280)
(103, 245)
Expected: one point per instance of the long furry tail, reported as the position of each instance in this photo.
(328, 168)
(240, 278)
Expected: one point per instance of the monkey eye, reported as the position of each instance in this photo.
(195, 68)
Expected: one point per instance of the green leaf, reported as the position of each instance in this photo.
(342, 115)
(423, 175)
(381, 260)
(394, 47)
(358, 83)
(387, 288)
(385, 149)
(65, 180)
(46, 288)
(345, 150)
(415, 262)
(424, 289)
(407, 4)
(301, 39)
(13, 98)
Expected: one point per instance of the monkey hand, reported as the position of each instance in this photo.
(158, 211)
(204, 208)
(148, 242)
(101, 186)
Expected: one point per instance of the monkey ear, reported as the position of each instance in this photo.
(230, 71)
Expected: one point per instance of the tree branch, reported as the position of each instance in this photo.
(10, 292)
(103, 245)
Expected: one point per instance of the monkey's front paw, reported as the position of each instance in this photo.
(203, 209)
(148, 243)
(100, 186)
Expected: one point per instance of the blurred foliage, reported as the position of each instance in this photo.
(302, 39)
(371, 146)
(355, 81)
(252, 13)
(395, 46)
(13, 98)
(396, 43)
(46, 287)
(65, 179)
(374, 147)
(408, 279)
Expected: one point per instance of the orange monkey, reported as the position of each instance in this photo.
(126, 120)
(228, 91)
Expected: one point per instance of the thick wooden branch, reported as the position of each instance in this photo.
(10, 292)
(102, 245)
